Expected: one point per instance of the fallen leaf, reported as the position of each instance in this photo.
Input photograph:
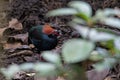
(7, 46)
(60, 78)
(23, 52)
(10, 1)
(2, 15)
(32, 46)
(94, 75)
(29, 59)
(14, 23)
(15, 46)
(22, 37)
(2, 31)
(24, 47)
(108, 78)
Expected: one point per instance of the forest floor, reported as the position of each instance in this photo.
(30, 13)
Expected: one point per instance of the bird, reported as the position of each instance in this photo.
(43, 37)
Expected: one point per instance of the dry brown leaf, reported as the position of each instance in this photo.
(2, 15)
(23, 52)
(22, 37)
(10, 1)
(60, 78)
(14, 23)
(7, 46)
(31, 46)
(108, 78)
(2, 31)
(94, 75)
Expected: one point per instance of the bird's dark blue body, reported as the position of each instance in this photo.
(41, 40)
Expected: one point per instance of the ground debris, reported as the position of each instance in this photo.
(15, 24)
(19, 75)
(8, 46)
(94, 75)
(23, 52)
(20, 37)
(23, 76)
(2, 31)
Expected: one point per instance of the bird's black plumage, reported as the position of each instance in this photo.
(41, 40)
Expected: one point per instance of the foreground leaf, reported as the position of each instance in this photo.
(117, 43)
(44, 69)
(106, 64)
(82, 7)
(93, 34)
(113, 22)
(52, 57)
(111, 12)
(62, 11)
(26, 66)
(76, 50)
(10, 71)
(95, 56)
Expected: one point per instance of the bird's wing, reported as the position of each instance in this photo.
(36, 32)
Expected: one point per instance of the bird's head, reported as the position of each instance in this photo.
(47, 29)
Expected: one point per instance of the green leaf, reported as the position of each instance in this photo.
(83, 30)
(113, 22)
(108, 44)
(100, 36)
(76, 50)
(106, 13)
(106, 30)
(95, 56)
(111, 12)
(52, 57)
(106, 64)
(44, 69)
(26, 66)
(103, 52)
(62, 11)
(93, 34)
(117, 55)
(99, 54)
(99, 15)
(83, 16)
(10, 71)
(117, 43)
(82, 7)
(78, 20)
